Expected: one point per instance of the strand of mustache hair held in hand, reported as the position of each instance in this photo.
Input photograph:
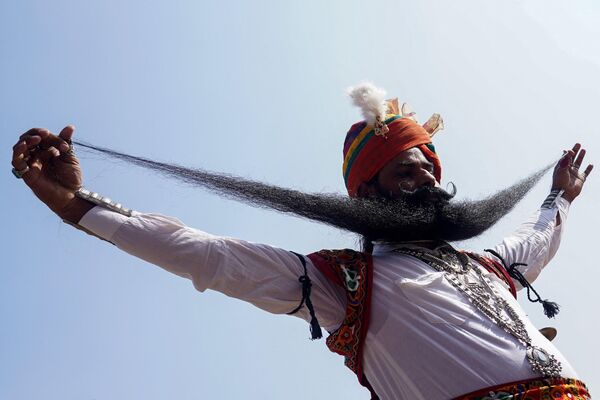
(403, 218)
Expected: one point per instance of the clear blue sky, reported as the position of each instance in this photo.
(257, 89)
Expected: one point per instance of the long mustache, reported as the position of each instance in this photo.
(377, 219)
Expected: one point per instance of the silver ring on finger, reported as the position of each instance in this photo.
(32, 149)
(71, 150)
(18, 173)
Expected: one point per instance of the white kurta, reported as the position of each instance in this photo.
(425, 341)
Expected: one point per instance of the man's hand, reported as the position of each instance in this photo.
(52, 170)
(567, 175)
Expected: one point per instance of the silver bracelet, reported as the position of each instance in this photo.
(102, 201)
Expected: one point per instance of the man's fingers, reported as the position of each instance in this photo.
(21, 151)
(579, 159)
(47, 139)
(19, 146)
(67, 133)
(588, 170)
(38, 146)
(54, 141)
(566, 159)
(19, 160)
(47, 154)
(67, 155)
(21, 156)
(32, 141)
(27, 143)
(576, 148)
(41, 132)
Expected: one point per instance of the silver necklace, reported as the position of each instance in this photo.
(480, 291)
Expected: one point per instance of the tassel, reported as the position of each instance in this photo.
(550, 308)
(315, 328)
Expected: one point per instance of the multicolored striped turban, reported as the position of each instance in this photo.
(367, 149)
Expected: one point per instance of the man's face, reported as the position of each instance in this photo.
(409, 172)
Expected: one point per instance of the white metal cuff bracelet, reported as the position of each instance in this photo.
(102, 201)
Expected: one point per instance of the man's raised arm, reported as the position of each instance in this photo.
(536, 241)
(263, 275)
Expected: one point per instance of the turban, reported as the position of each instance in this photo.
(367, 150)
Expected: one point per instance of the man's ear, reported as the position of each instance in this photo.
(366, 191)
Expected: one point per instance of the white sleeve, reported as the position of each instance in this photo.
(536, 241)
(260, 274)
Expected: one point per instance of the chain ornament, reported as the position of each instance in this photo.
(480, 291)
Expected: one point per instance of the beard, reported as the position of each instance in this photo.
(425, 214)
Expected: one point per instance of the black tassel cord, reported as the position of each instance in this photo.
(315, 328)
(551, 308)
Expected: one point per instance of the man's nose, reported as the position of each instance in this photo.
(426, 179)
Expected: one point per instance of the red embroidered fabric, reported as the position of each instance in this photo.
(353, 271)
(534, 389)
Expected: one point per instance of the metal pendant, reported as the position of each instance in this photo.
(543, 362)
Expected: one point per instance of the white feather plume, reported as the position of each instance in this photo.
(370, 99)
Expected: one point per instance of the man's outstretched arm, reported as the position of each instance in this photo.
(536, 241)
(263, 275)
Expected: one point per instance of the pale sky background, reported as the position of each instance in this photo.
(256, 88)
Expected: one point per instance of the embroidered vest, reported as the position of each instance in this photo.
(353, 271)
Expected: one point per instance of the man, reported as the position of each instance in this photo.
(414, 318)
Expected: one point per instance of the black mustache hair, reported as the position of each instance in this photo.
(426, 214)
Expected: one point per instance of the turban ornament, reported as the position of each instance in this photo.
(387, 130)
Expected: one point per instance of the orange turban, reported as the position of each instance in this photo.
(366, 153)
